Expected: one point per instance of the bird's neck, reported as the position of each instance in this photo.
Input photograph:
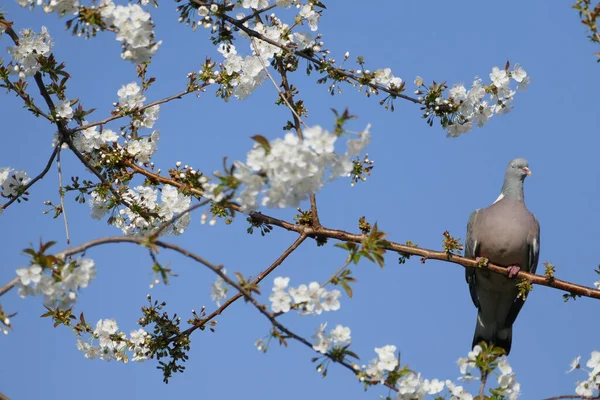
(513, 190)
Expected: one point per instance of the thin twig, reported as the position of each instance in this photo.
(281, 95)
(37, 178)
(257, 280)
(62, 198)
(484, 376)
(256, 13)
(336, 273)
(287, 49)
(154, 103)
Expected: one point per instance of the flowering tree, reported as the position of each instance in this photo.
(260, 43)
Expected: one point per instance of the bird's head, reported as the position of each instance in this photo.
(517, 169)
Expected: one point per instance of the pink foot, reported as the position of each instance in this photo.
(513, 270)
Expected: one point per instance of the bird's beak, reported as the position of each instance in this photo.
(527, 170)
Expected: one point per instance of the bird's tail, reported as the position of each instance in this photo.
(491, 333)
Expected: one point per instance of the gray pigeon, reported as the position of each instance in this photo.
(507, 234)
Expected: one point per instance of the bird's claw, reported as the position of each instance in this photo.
(513, 270)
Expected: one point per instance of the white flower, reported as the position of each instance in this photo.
(594, 362)
(130, 96)
(408, 384)
(523, 84)
(31, 46)
(4, 172)
(106, 327)
(585, 388)
(373, 370)
(217, 291)
(280, 283)
(62, 7)
(458, 93)
(499, 77)
(256, 4)
(16, 180)
(432, 387)
(458, 393)
(134, 29)
(518, 73)
(138, 338)
(64, 110)
(280, 301)
(29, 275)
(303, 40)
(575, 364)
(331, 300)
(340, 335)
(387, 357)
(356, 146)
(322, 342)
(311, 16)
(109, 136)
(150, 116)
(300, 294)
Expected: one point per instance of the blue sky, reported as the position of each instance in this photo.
(422, 185)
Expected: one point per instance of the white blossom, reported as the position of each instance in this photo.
(64, 110)
(218, 292)
(12, 182)
(130, 96)
(340, 336)
(387, 357)
(31, 47)
(322, 342)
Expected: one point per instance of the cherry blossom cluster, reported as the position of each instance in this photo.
(386, 361)
(31, 46)
(172, 202)
(62, 7)
(113, 345)
(286, 171)
(591, 386)
(507, 384)
(410, 385)
(245, 74)
(385, 78)
(12, 182)
(133, 26)
(339, 336)
(59, 284)
(470, 107)
(309, 300)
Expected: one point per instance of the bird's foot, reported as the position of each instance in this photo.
(513, 270)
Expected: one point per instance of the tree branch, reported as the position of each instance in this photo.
(339, 71)
(393, 246)
(37, 178)
(259, 278)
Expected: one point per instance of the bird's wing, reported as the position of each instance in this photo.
(533, 247)
(472, 251)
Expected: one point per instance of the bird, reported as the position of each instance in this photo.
(507, 234)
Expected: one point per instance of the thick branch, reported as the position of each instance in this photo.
(430, 254)
(393, 246)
